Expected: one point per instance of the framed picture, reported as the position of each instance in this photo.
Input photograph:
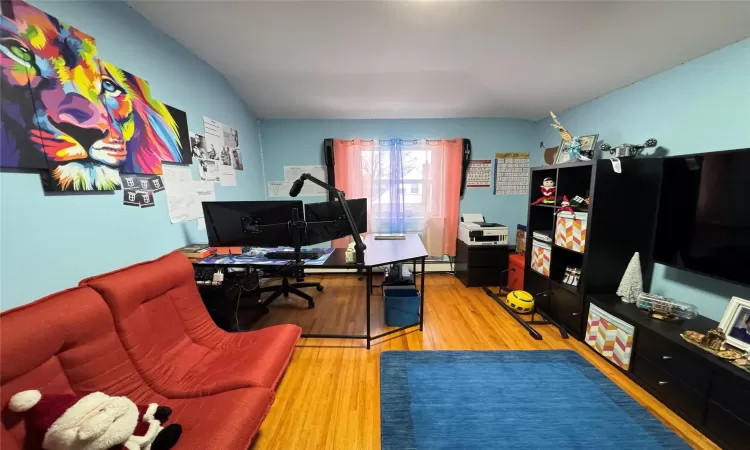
(736, 323)
(588, 143)
(563, 155)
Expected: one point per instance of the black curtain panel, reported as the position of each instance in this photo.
(465, 158)
(328, 156)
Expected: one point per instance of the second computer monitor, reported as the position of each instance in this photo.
(333, 212)
(256, 224)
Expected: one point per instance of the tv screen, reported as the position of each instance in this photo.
(704, 215)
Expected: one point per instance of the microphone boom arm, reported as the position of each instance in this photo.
(359, 246)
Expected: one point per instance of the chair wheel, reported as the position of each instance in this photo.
(319, 288)
(310, 305)
(266, 310)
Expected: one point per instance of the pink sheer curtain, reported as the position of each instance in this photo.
(432, 184)
(442, 187)
(350, 178)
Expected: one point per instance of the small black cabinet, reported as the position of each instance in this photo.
(710, 393)
(481, 265)
(567, 308)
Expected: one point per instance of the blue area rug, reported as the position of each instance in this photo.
(509, 399)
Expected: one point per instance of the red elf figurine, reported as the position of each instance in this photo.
(548, 192)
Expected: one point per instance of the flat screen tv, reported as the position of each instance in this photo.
(704, 215)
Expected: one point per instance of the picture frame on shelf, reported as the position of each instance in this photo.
(562, 155)
(588, 144)
(736, 323)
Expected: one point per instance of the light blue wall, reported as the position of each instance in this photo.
(700, 106)
(48, 243)
(299, 142)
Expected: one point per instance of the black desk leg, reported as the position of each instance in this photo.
(369, 287)
(421, 297)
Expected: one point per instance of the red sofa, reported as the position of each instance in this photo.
(143, 332)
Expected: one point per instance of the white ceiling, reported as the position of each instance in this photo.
(428, 59)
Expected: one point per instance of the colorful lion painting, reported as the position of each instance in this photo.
(153, 132)
(59, 110)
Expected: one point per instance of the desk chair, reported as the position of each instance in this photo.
(287, 288)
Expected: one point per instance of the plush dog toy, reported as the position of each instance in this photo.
(94, 422)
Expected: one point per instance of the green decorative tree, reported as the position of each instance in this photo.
(631, 285)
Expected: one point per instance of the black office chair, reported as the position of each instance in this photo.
(287, 288)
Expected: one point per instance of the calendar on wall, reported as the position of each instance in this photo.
(479, 173)
(511, 173)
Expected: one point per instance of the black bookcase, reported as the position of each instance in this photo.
(621, 218)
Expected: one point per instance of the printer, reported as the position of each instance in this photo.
(473, 230)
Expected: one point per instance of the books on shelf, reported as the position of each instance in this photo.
(197, 251)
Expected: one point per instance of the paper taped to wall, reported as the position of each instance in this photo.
(511, 174)
(227, 176)
(278, 188)
(292, 173)
(214, 137)
(184, 195)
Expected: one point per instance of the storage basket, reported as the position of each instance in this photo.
(610, 336)
(401, 306)
(541, 254)
(570, 231)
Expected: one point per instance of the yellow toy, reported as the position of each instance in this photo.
(520, 301)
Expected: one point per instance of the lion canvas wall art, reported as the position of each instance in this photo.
(79, 120)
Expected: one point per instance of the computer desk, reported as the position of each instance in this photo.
(378, 253)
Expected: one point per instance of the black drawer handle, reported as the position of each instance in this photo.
(665, 357)
(575, 314)
(662, 383)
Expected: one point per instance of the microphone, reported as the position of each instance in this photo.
(296, 187)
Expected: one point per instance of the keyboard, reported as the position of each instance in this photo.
(390, 237)
(290, 255)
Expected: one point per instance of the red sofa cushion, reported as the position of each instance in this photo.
(172, 340)
(67, 343)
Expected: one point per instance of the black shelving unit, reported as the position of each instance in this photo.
(621, 217)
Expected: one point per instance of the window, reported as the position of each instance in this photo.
(411, 186)
(396, 186)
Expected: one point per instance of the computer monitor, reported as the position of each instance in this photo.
(333, 212)
(258, 224)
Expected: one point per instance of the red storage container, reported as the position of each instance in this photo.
(515, 272)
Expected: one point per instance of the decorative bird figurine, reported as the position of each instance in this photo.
(564, 133)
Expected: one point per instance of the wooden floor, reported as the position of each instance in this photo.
(330, 396)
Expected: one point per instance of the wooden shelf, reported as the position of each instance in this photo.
(545, 206)
(567, 249)
(566, 286)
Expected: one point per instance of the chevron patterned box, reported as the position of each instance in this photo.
(570, 231)
(541, 254)
(610, 336)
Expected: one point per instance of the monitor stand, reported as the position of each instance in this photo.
(294, 269)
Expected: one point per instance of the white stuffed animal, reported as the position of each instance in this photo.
(95, 421)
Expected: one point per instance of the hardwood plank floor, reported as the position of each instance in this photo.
(330, 396)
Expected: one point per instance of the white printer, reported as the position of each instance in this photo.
(473, 230)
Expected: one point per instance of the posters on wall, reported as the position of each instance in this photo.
(139, 190)
(81, 138)
(185, 195)
(278, 188)
(227, 176)
(208, 170)
(511, 174)
(222, 142)
(292, 173)
(214, 137)
(198, 146)
(479, 173)
(237, 158)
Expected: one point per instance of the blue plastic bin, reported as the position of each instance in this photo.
(401, 307)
